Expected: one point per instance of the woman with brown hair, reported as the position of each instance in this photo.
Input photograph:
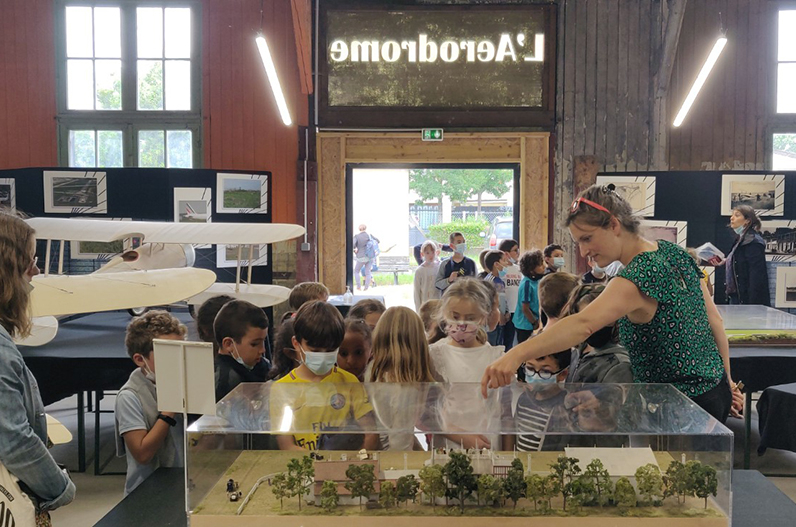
(23, 428)
(667, 321)
(746, 280)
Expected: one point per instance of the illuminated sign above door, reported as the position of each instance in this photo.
(442, 65)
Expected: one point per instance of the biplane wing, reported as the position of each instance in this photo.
(42, 331)
(55, 295)
(164, 232)
(262, 295)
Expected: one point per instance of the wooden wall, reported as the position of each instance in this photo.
(242, 128)
(726, 127)
(27, 84)
(609, 52)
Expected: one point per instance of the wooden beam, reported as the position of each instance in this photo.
(666, 54)
(302, 32)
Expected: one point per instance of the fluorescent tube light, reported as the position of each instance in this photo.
(700, 80)
(273, 79)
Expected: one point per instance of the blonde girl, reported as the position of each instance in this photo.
(400, 349)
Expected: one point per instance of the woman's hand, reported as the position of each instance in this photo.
(736, 410)
(501, 372)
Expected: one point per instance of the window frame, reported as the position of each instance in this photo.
(778, 123)
(129, 119)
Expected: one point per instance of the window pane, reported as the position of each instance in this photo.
(107, 32)
(151, 148)
(787, 35)
(109, 84)
(150, 85)
(786, 88)
(80, 85)
(150, 32)
(109, 144)
(78, 32)
(180, 152)
(178, 33)
(81, 148)
(784, 152)
(178, 85)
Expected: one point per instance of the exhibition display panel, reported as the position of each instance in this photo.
(528, 452)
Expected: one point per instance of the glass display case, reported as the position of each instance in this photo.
(338, 454)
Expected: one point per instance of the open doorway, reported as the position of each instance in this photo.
(404, 205)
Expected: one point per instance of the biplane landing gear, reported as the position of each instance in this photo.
(137, 311)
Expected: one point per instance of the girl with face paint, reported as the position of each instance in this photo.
(467, 312)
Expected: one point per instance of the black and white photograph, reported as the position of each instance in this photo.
(241, 193)
(764, 193)
(671, 231)
(8, 196)
(75, 192)
(786, 287)
(227, 255)
(780, 238)
(639, 191)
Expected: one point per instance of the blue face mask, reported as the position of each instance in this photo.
(319, 362)
(502, 273)
(535, 379)
(238, 359)
(739, 230)
(460, 248)
(559, 262)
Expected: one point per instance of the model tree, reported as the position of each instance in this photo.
(361, 481)
(600, 480)
(461, 480)
(432, 482)
(534, 489)
(387, 495)
(675, 481)
(551, 488)
(406, 488)
(514, 484)
(490, 490)
(565, 470)
(300, 474)
(329, 496)
(582, 492)
(704, 480)
(649, 482)
(280, 488)
(624, 493)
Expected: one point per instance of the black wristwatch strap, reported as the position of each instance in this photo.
(169, 420)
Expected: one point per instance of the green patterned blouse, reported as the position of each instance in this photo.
(677, 345)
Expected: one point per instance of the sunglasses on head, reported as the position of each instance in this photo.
(577, 202)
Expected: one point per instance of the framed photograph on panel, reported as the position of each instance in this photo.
(764, 192)
(786, 287)
(241, 193)
(8, 193)
(75, 192)
(101, 250)
(227, 255)
(780, 238)
(192, 205)
(639, 191)
(671, 231)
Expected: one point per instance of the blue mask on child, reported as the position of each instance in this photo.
(502, 273)
(558, 262)
(238, 359)
(319, 362)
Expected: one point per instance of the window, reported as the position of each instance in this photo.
(129, 85)
(783, 127)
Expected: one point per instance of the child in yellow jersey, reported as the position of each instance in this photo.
(336, 401)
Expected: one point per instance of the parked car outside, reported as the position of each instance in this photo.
(501, 229)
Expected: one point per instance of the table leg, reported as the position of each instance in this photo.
(81, 434)
(747, 418)
(97, 397)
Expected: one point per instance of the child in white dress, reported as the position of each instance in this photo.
(426, 274)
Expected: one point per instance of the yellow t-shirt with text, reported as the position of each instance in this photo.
(319, 406)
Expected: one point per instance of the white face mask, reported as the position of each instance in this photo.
(460, 248)
(149, 373)
(319, 362)
(238, 358)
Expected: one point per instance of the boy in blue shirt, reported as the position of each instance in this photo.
(526, 314)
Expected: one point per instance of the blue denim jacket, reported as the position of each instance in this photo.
(23, 431)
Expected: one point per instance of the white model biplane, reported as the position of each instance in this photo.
(158, 272)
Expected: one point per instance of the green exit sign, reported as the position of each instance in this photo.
(432, 134)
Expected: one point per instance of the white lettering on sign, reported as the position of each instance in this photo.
(425, 50)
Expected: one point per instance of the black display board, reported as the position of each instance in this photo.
(143, 194)
(695, 197)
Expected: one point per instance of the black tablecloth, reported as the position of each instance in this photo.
(776, 411)
(343, 308)
(88, 354)
(761, 367)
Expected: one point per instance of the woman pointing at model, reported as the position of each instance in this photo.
(666, 319)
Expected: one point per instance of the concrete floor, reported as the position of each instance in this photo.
(96, 495)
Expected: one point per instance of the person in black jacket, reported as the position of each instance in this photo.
(746, 273)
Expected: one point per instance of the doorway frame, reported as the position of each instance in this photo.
(337, 150)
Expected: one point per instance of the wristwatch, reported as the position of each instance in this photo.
(168, 420)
